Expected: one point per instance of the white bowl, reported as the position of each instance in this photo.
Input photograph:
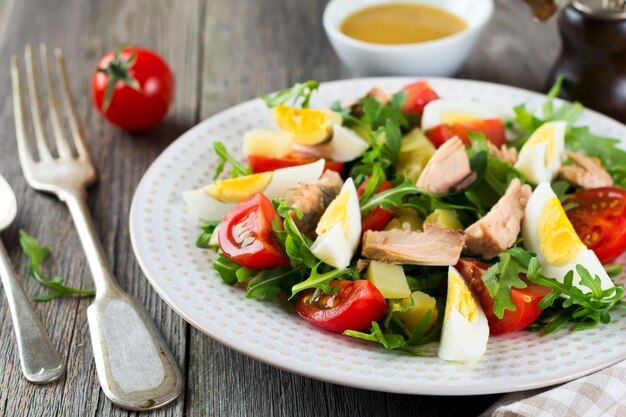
(442, 57)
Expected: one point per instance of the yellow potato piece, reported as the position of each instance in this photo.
(444, 218)
(235, 190)
(309, 126)
(267, 143)
(422, 303)
(389, 279)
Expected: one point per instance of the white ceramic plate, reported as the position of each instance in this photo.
(163, 236)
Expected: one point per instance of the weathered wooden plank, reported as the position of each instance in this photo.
(85, 30)
(279, 42)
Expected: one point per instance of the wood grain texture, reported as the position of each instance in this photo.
(223, 52)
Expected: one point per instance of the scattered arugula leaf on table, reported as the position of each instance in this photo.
(38, 253)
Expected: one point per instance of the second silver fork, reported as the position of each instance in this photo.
(136, 368)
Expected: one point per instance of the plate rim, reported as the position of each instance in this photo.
(495, 387)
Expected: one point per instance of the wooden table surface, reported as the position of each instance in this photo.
(222, 52)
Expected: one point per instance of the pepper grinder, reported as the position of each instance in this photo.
(593, 55)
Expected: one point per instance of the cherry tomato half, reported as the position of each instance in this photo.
(143, 86)
(599, 218)
(354, 306)
(525, 299)
(493, 129)
(378, 218)
(420, 94)
(246, 236)
(264, 164)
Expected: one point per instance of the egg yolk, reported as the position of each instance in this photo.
(336, 213)
(450, 118)
(309, 126)
(545, 134)
(235, 190)
(558, 242)
(460, 296)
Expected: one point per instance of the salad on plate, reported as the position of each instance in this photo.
(406, 218)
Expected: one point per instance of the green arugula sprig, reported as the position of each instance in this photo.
(504, 275)
(38, 253)
(207, 230)
(222, 154)
(299, 92)
(567, 302)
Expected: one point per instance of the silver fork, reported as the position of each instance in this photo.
(136, 368)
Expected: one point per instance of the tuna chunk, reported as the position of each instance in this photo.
(585, 172)
(448, 169)
(312, 199)
(499, 228)
(504, 153)
(435, 246)
(376, 93)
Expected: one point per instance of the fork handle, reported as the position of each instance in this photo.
(136, 369)
(39, 361)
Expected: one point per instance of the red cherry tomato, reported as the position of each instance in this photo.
(246, 236)
(133, 107)
(493, 129)
(420, 94)
(599, 218)
(378, 218)
(354, 307)
(525, 299)
(296, 158)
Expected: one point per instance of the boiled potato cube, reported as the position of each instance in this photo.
(415, 152)
(268, 143)
(389, 279)
(422, 303)
(444, 218)
(405, 215)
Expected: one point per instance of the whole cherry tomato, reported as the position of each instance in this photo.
(246, 236)
(599, 218)
(132, 88)
(526, 300)
(354, 306)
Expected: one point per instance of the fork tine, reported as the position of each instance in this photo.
(76, 126)
(53, 103)
(35, 104)
(23, 140)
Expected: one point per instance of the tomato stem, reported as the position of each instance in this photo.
(118, 70)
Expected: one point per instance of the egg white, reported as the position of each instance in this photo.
(585, 257)
(436, 109)
(344, 146)
(203, 206)
(532, 160)
(461, 339)
(336, 247)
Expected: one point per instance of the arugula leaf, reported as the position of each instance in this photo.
(389, 198)
(227, 269)
(614, 270)
(222, 154)
(204, 238)
(504, 275)
(38, 253)
(268, 283)
(297, 246)
(300, 91)
(568, 303)
(390, 341)
(322, 280)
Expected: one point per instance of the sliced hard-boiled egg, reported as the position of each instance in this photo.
(309, 126)
(268, 143)
(548, 232)
(451, 111)
(345, 145)
(215, 200)
(465, 328)
(541, 156)
(339, 228)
